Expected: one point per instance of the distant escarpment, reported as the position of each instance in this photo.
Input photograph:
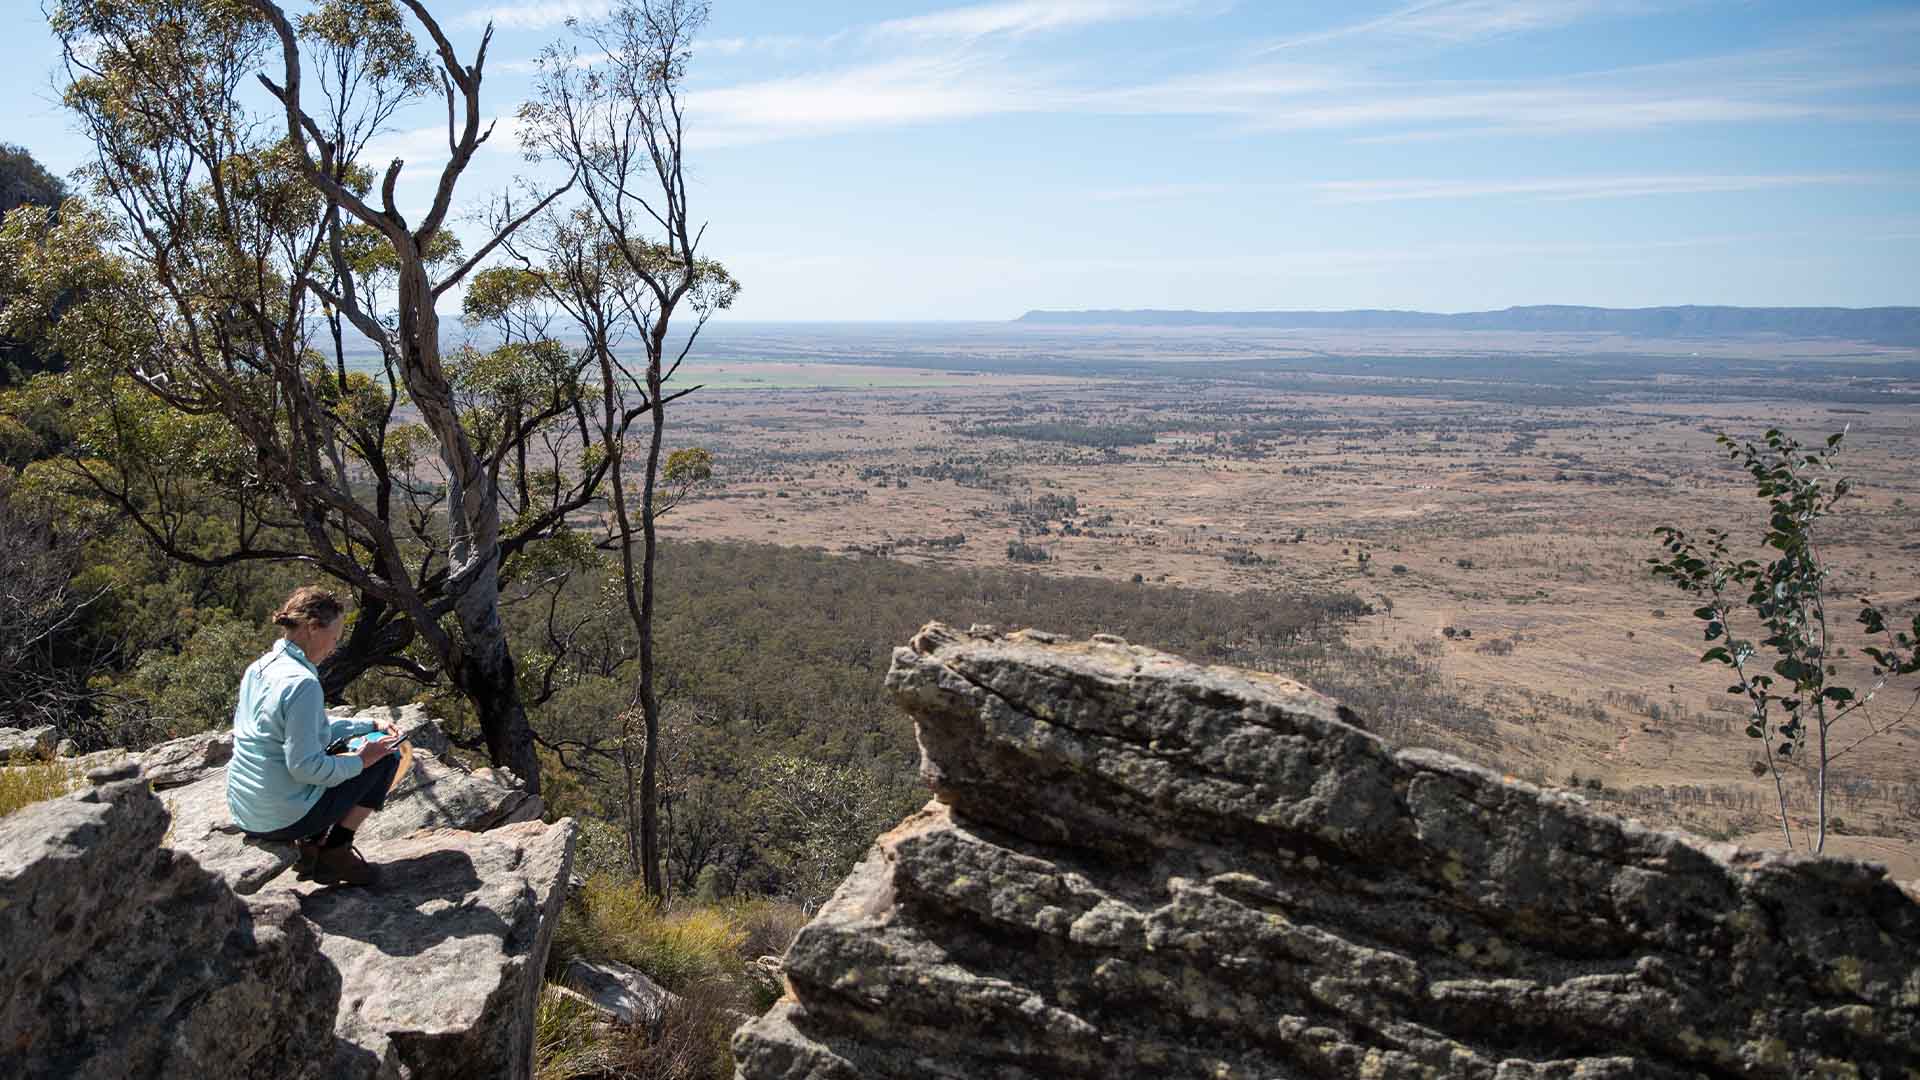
(1136, 866)
(1884, 325)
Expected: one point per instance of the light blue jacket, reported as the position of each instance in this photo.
(280, 736)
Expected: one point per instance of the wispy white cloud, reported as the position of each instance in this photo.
(971, 83)
(768, 44)
(891, 93)
(534, 14)
(1454, 22)
(1013, 18)
(1555, 106)
(424, 149)
(1311, 262)
(970, 61)
(1575, 188)
(1546, 189)
(1021, 17)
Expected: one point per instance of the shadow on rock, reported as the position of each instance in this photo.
(418, 903)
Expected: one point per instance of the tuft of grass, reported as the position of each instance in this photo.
(767, 926)
(24, 785)
(615, 920)
(698, 951)
(692, 1042)
(568, 1041)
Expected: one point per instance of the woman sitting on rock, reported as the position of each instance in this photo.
(282, 783)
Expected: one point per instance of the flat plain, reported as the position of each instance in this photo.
(1492, 497)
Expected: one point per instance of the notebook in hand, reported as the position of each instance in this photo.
(353, 744)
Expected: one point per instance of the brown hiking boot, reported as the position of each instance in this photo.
(343, 866)
(308, 851)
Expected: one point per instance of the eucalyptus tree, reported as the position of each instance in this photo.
(242, 219)
(627, 261)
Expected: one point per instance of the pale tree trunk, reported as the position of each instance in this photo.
(633, 798)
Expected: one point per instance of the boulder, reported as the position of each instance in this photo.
(144, 935)
(120, 957)
(629, 995)
(441, 962)
(171, 764)
(184, 761)
(203, 828)
(767, 976)
(438, 793)
(1137, 866)
(27, 744)
(605, 1015)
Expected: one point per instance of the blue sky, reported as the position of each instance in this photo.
(927, 161)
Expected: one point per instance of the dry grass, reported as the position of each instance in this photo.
(614, 919)
(691, 1043)
(697, 951)
(768, 926)
(23, 785)
(566, 1042)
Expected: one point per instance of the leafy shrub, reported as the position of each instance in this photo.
(192, 690)
(816, 821)
(1496, 647)
(601, 849)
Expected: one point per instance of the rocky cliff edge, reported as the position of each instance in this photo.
(1136, 866)
(142, 936)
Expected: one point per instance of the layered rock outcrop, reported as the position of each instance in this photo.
(1135, 866)
(142, 935)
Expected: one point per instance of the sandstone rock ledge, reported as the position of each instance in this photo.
(1138, 867)
(142, 936)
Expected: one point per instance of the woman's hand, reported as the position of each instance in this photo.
(374, 750)
(387, 726)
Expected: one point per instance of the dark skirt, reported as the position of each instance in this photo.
(369, 789)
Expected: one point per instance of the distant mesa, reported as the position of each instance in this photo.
(1885, 325)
